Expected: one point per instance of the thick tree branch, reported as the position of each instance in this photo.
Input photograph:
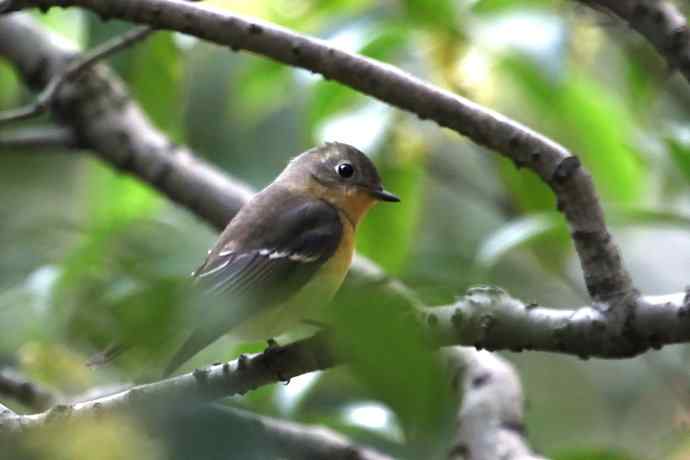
(659, 22)
(490, 422)
(606, 278)
(485, 318)
(489, 318)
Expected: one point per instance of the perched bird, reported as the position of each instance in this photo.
(287, 250)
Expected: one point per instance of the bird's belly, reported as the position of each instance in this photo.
(309, 303)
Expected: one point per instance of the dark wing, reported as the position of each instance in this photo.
(262, 268)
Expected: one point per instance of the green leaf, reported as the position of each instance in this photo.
(98, 31)
(518, 233)
(584, 117)
(680, 154)
(153, 69)
(387, 234)
(9, 86)
(593, 454)
(68, 22)
(439, 14)
(498, 6)
(155, 76)
(388, 355)
(260, 89)
(330, 98)
(117, 199)
(635, 215)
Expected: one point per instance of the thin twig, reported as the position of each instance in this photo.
(39, 138)
(23, 390)
(73, 69)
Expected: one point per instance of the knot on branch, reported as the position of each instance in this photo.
(565, 169)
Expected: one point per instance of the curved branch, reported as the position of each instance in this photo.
(659, 22)
(490, 422)
(121, 135)
(606, 278)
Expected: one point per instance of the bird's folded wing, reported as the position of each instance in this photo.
(254, 270)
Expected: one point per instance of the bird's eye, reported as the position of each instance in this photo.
(345, 170)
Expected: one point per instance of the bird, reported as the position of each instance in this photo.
(288, 249)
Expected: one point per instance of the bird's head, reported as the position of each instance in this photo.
(339, 174)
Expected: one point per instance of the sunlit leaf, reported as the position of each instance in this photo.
(115, 437)
(68, 22)
(515, 234)
(580, 114)
(497, 6)
(434, 15)
(55, 364)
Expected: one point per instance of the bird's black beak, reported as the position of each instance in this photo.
(384, 195)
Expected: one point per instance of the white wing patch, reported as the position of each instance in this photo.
(294, 257)
(216, 269)
(270, 253)
(303, 258)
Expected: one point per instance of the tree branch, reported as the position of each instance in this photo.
(43, 138)
(202, 385)
(104, 119)
(606, 278)
(26, 392)
(489, 318)
(659, 22)
(490, 422)
(292, 440)
(72, 70)
(121, 135)
(486, 318)
(296, 441)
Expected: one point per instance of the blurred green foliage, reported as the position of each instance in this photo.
(91, 256)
